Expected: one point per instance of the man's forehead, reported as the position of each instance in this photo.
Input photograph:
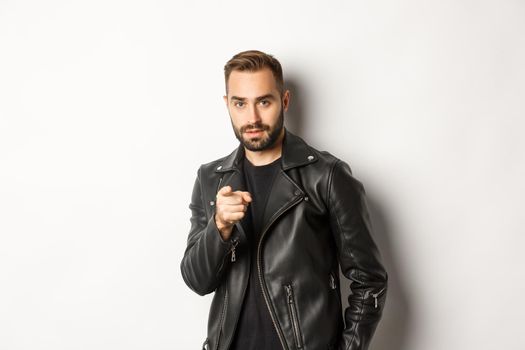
(252, 83)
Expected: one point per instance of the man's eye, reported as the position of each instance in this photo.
(238, 104)
(264, 102)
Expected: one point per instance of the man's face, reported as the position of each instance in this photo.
(256, 108)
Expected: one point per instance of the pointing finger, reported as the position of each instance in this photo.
(246, 196)
(225, 191)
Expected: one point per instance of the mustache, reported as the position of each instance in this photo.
(255, 126)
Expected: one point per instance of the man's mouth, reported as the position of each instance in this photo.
(253, 131)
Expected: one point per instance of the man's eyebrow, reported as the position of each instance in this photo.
(238, 98)
(265, 97)
(259, 98)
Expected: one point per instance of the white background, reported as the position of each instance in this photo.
(108, 108)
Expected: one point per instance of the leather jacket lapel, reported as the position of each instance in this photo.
(284, 194)
(235, 179)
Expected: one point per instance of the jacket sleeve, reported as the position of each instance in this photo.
(358, 256)
(206, 253)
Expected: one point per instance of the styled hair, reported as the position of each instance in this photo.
(252, 61)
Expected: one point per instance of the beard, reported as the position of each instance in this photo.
(264, 142)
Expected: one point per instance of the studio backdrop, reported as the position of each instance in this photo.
(107, 109)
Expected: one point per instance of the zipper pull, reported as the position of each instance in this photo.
(289, 294)
(234, 244)
(332, 282)
(376, 295)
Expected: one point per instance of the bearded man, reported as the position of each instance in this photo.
(271, 225)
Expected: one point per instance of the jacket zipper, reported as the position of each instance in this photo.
(261, 281)
(219, 185)
(292, 309)
(233, 258)
(235, 242)
(332, 281)
(221, 321)
(228, 341)
(369, 294)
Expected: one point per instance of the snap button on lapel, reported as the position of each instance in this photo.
(212, 203)
(219, 167)
(310, 158)
(297, 192)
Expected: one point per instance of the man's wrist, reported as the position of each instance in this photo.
(224, 230)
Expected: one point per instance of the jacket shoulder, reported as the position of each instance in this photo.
(211, 167)
(325, 159)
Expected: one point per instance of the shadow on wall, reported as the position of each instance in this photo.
(294, 118)
(393, 330)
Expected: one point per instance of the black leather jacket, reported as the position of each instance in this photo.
(315, 221)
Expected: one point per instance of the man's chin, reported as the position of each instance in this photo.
(254, 145)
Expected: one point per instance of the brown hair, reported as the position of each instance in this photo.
(253, 61)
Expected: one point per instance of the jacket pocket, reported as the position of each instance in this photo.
(292, 311)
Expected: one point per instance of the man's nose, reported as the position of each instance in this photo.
(253, 115)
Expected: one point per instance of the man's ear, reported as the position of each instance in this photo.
(286, 100)
(225, 98)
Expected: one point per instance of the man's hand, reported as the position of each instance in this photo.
(230, 208)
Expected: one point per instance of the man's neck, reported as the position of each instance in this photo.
(267, 156)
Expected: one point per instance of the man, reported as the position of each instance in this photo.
(271, 224)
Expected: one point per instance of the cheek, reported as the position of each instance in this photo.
(237, 120)
(272, 114)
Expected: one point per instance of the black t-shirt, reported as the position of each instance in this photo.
(255, 329)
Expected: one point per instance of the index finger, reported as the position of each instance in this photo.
(225, 191)
(246, 196)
